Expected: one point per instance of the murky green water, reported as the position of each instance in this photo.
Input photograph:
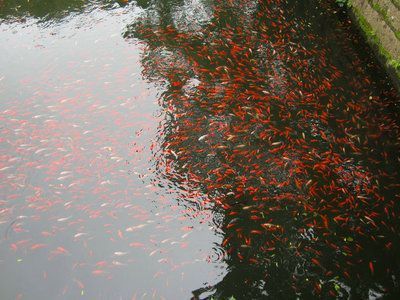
(178, 149)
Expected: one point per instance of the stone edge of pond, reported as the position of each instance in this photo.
(377, 20)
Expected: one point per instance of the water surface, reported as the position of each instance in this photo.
(178, 149)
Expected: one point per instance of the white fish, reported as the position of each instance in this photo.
(203, 137)
(173, 152)
(65, 172)
(117, 158)
(153, 252)
(80, 234)
(133, 228)
(65, 100)
(185, 235)
(40, 150)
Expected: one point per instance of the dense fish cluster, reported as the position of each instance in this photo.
(215, 149)
(299, 159)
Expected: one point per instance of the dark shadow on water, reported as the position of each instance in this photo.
(274, 113)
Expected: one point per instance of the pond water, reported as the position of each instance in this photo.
(199, 149)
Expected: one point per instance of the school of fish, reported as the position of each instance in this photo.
(268, 125)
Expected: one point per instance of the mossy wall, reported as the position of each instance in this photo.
(380, 22)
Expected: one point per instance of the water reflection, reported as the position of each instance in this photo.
(51, 10)
(275, 129)
(292, 135)
(81, 215)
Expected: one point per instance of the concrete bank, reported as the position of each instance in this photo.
(379, 20)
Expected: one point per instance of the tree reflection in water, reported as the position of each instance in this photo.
(52, 11)
(272, 114)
